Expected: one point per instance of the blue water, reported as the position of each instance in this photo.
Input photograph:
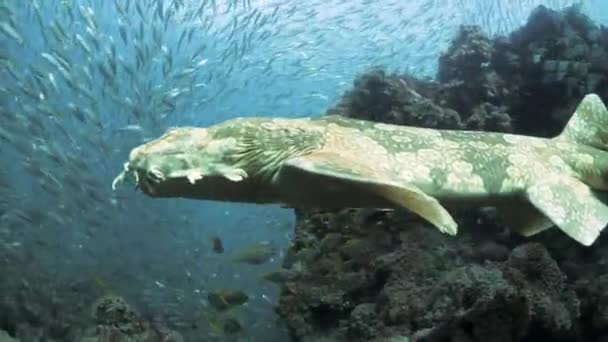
(298, 60)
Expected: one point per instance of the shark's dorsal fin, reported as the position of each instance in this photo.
(333, 165)
(589, 124)
(571, 205)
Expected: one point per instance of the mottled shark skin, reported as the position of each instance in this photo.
(333, 162)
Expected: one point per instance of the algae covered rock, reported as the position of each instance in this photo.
(117, 321)
(427, 288)
(392, 99)
(560, 57)
(466, 72)
(372, 277)
(470, 50)
(477, 302)
(554, 305)
(114, 310)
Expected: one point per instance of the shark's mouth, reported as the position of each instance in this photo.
(146, 180)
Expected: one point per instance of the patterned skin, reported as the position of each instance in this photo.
(333, 162)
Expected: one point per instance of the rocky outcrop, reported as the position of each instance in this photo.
(376, 276)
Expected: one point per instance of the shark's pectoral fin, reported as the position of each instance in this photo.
(571, 205)
(368, 179)
(425, 206)
(525, 219)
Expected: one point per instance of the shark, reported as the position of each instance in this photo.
(334, 162)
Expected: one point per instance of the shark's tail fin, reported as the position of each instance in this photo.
(589, 124)
(566, 201)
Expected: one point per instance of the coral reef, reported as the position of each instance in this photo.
(117, 321)
(28, 308)
(366, 275)
(377, 280)
(373, 275)
(529, 82)
(391, 99)
(549, 64)
(40, 310)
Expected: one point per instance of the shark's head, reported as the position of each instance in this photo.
(230, 161)
(181, 158)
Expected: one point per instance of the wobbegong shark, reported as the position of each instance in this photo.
(333, 162)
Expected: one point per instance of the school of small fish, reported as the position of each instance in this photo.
(83, 81)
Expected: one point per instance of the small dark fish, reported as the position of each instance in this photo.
(103, 285)
(159, 9)
(279, 276)
(11, 32)
(227, 298)
(140, 35)
(122, 29)
(139, 10)
(181, 39)
(218, 246)
(256, 254)
(189, 39)
(120, 10)
(130, 128)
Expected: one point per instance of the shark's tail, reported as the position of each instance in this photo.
(566, 201)
(589, 124)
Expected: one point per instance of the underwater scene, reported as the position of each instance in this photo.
(279, 170)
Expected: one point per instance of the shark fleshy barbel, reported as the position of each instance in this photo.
(333, 162)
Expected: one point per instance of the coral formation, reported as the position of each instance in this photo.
(528, 82)
(376, 276)
(413, 281)
(373, 275)
(39, 311)
(28, 308)
(391, 99)
(117, 321)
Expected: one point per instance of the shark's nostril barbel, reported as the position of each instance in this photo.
(120, 178)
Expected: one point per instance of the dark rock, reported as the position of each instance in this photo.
(113, 310)
(488, 117)
(478, 303)
(464, 69)
(594, 305)
(546, 65)
(469, 54)
(493, 251)
(391, 99)
(368, 276)
(118, 321)
(425, 286)
(361, 323)
(554, 305)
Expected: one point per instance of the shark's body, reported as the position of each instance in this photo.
(334, 162)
